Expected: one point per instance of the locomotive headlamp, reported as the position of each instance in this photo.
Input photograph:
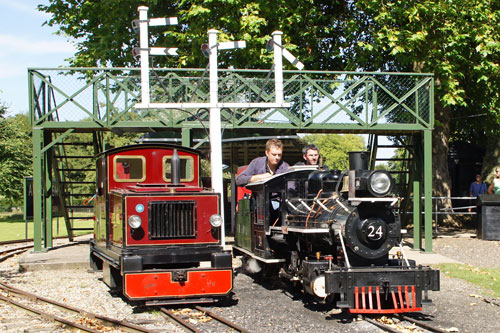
(134, 221)
(215, 220)
(380, 183)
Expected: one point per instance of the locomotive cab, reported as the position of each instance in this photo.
(157, 231)
(332, 233)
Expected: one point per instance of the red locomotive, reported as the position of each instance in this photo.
(157, 234)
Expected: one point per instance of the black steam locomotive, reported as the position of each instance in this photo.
(332, 232)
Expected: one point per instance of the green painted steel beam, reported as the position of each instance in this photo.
(38, 176)
(48, 189)
(428, 190)
(319, 100)
(388, 128)
(417, 193)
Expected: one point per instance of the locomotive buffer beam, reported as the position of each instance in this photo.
(353, 284)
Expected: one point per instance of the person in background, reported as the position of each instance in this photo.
(495, 185)
(478, 187)
(310, 153)
(264, 167)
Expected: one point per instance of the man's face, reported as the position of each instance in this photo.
(274, 155)
(311, 157)
(478, 178)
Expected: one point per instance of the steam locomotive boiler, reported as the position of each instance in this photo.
(332, 232)
(157, 234)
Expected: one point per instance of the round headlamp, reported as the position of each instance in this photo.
(380, 183)
(134, 221)
(215, 220)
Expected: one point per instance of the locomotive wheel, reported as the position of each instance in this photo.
(270, 271)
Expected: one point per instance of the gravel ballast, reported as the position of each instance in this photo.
(267, 307)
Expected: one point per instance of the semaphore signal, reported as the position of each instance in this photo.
(210, 51)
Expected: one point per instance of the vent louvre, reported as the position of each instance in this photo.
(172, 219)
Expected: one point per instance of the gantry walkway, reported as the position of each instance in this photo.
(69, 101)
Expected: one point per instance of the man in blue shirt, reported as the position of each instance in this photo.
(478, 187)
(264, 167)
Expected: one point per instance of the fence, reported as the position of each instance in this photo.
(437, 209)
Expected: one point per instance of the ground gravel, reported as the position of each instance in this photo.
(460, 305)
(464, 246)
(263, 306)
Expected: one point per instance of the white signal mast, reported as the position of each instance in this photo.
(213, 105)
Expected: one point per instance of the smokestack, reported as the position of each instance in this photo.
(176, 168)
(359, 160)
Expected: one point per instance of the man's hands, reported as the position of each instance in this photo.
(262, 176)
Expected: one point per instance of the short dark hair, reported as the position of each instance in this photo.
(309, 146)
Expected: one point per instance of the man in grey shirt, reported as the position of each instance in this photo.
(310, 153)
(264, 167)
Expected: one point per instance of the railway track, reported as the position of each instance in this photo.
(400, 323)
(197, 319)
(66, 315)
(9, 252)
(30, 240)
(16, 241)
(9, 249)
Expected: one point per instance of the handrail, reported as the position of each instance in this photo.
(320, 100)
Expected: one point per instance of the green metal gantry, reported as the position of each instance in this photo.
(68, 101)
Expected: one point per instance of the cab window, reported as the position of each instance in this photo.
(187, 168)
(129, 168)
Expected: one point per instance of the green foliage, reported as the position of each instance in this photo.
(334, 148)
(458, 41)
(15, 156)
(104, 36)
(382, 166)
(487, 278)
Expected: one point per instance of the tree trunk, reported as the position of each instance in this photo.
(441, 181)
(491, 159)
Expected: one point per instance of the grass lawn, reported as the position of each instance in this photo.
(12, 227)
(487, 278)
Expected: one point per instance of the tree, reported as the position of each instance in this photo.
(459, 42)
(334, 148)
(15, 155)
(104, 35)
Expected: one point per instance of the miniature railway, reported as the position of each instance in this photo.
(16, 241)
(8, 249)
(400, 323)
(181, 317)
(27, 240)
(9, 252)
(67, 315)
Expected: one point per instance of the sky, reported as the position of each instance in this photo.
(26, 44)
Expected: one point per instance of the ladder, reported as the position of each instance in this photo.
(400, 166)
(73, 167)
(74, 179)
